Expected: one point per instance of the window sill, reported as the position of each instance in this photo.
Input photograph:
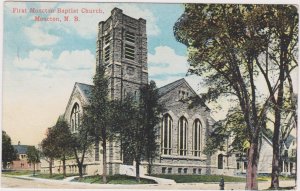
(183, 157)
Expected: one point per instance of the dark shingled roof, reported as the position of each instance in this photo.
(21, 149)
(86, 89)
(165, 89)
(289, 140)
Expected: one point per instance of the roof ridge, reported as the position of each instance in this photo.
(83, 83)
(172, 83)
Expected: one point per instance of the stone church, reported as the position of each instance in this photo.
(122, 49)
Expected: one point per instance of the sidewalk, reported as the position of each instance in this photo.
(163, 185)
(160, 180)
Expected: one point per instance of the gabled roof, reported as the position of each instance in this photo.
(267, 139)
(86, 89)
(21, 149)
(289, 141)
(167, 88)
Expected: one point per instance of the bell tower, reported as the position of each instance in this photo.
(122, 49)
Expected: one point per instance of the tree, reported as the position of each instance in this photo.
(49, 148)
(81, 141)
(281, 52)
(138, 122)
(99, 113)
(63, 142)
(33, 156)
(232, 126)
(225, 44)
(150, 109)
(8, 152)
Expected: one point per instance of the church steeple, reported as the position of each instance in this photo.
(122, 49)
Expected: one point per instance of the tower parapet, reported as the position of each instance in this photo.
(122, 50)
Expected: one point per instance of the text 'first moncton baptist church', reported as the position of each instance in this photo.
(122, 49)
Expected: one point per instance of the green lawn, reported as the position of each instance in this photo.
(200, 178)
(268, 178)
(115, 179)
(18, 173)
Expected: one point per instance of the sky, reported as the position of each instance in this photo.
(43, 60)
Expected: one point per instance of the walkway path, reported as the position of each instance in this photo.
(160, 180)
(30, 182)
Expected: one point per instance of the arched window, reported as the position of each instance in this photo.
(182, 136)
(75, 118)
(197, 137)
(166, 132)
(220, 161)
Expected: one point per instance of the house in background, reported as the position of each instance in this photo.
(288, 157)
(21, 162)
(289, 154)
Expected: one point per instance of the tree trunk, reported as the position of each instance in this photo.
(33, 169)
(104, 160)
(80, 169)
(251, 182)
(276, 150)
(137, 171)
(4, 165)
(50, 167)
(278, 109)
(149, 166)
(64, 166)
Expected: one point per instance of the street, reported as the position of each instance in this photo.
(12, 182)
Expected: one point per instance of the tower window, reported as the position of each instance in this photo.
(129, 52)
(130, 37)
(107, 53)
(107, 38)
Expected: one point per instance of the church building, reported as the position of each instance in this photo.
(122, 49)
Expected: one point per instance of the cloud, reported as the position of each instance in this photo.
(35, 60)
(39, 37)
(165, 64)
(43, 61)
(138, 12)
(73, 60)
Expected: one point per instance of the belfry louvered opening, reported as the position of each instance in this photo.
(107, 38)
(130, 37)
(129, 52)
(107, 53)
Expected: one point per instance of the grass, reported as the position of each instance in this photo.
(17, 173)
(200, 178)
(268, 178)
(114, 179)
